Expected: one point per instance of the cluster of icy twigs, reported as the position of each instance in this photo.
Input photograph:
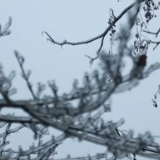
(77, 121)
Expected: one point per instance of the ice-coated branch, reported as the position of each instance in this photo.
(154, 33)
(5, 31)
(78, 121)
(112, 23)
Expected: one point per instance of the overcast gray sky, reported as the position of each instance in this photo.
(74, 21)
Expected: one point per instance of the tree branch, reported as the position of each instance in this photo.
(102, 35)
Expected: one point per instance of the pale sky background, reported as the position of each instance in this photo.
(73, 20)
